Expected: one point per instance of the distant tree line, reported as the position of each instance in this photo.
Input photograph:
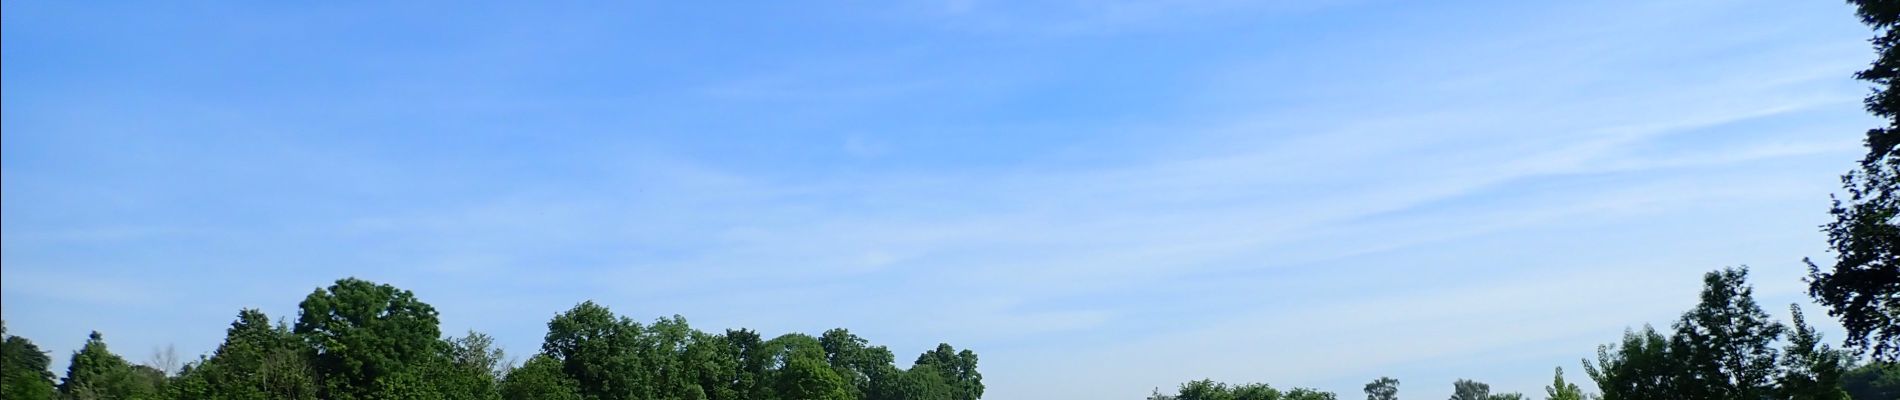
(361, 340)
(1726, 348)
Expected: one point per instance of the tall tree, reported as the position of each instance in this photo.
(476, 352)
(470, 368)
(1205, 389)
(1256, 391)
(1465, 389)
(922, 382)
(256, 361)
(599, 350)
(753, 362)
(1810, 369)
(809, 378)
(713, 364)
(540, 378)
(661, 353)
(855, 359)
(958, 368)
(96, 373)
(1561, 390)
(1310, 394)
(1641, 367)
(23, 369)
(1208, 389)
(1726, 342)
(1862, 288)
(370, 340)
(1384, 388)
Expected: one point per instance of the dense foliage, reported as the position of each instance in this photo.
(1210, 390)
(361, 340)
(1862, 288)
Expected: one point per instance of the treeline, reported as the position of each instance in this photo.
(361, 340)
(1726, 348)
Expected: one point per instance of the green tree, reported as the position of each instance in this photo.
(661, 353)
(540, 378)
(476, 353)
(855, 359)
(1877, 380)
(1862, 288)
(1811, 369)
(1384, 388)
(256, 361)
(1205, 389)
(1725, 344)
(1208, 389)
(470, 368)
(1256, 391)
(958, 369)
(922, 382)
(1561, 390)
(96, 373)
(713, 363)
(809, 378)
(23, 369)
(1642, 367)
(599, 350)
(1309, 394)
(753, 363)
(370, 341)
(1465, 389)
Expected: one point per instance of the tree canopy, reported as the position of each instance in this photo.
(357, 339)
(1862, 287)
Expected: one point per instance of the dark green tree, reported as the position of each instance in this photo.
(1208, 389)
(23, 369)
(371, 341)
(470, 368)
(753, 362)
(713, 364)
(1384, 388)
(540, 378)
(476, 353)
(1642, 367)
(256, 361)
(599, 350)
(1256, 391)
(809, 378)
(1810, 369)
(1725, 344)
(1465, 389)
(921, 382)
(96, 373)
(1310, 394)
(1205, 389)
(1862, 288)
(855, 359)
(1878, 380)
(958, 369)
(1561, 390)
(662, 355)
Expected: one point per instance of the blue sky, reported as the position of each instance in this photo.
(1099, 197)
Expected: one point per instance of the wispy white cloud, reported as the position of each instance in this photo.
(1509, 194)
